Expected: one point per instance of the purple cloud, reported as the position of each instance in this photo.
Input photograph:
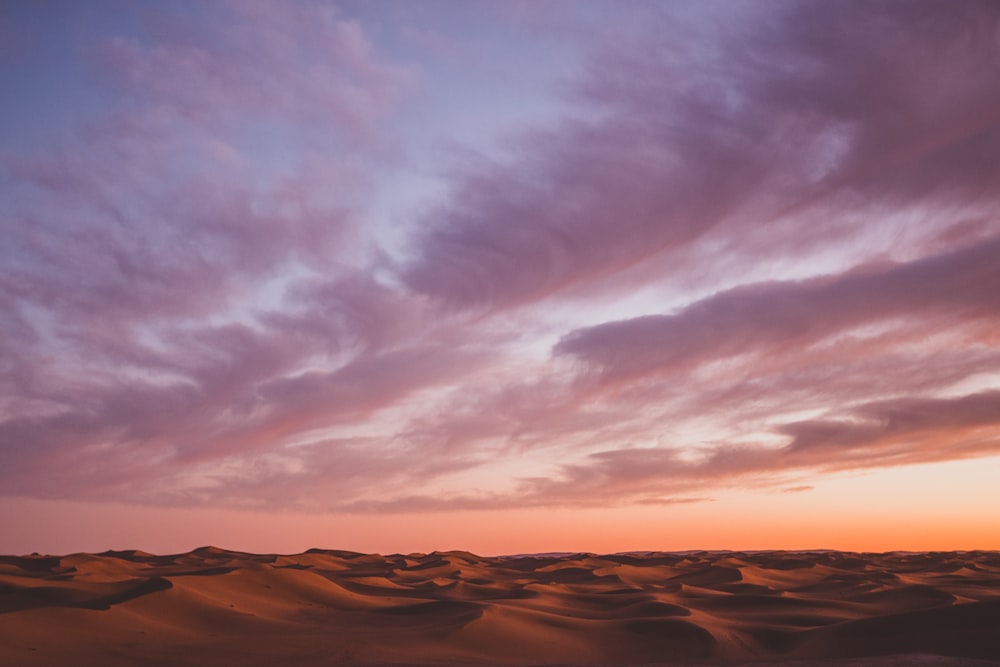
(782, 316)
(730, 128)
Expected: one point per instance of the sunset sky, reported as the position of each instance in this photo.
(500, 276)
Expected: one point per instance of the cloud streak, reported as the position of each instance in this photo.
(778, 317)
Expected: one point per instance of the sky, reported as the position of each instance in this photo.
(508, 277)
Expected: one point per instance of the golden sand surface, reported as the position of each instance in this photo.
(215, 607)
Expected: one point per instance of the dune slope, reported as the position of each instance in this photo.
(217, 607)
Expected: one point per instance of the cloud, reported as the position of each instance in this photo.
(187, 256)
(240, 402)
(201, 303)
(873, 435)
(784, 316)
(915, 87)
(302, 63)
(904, 423)
(728, 131)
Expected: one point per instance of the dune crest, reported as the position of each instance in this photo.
(219, 607)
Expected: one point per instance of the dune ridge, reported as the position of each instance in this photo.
(212, 606)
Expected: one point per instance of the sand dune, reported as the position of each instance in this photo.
(216, 607)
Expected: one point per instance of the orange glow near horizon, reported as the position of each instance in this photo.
(940, 507)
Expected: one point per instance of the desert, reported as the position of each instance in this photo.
(211, 606)
(455, 325)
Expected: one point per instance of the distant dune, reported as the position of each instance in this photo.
(216, 607)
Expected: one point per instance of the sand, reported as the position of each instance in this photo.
(216, 607)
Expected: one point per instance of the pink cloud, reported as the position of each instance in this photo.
(892, 433)
(906, 421)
